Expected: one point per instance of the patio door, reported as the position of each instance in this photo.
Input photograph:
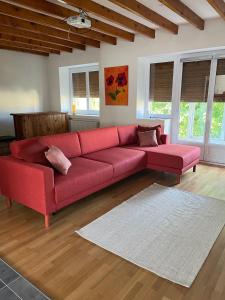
(202, 109)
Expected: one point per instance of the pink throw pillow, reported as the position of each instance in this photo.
(158, 129)
(58, 160)
(147, 138)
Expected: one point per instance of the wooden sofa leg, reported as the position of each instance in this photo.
(178, 179)
(8, 202)
(47, 221)
(194, 168)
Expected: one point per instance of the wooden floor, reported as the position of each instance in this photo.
(65, 266)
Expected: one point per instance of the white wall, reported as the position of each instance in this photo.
(23, 86)
(126, 53)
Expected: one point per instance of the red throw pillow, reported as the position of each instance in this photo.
(158, 129)
(58, 160)
(147, 138)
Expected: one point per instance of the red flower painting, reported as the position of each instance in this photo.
(116, 85)
(121, 79)
(110, 80)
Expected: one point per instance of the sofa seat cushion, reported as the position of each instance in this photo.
(172, 155)
(122, 159)
(82, 175)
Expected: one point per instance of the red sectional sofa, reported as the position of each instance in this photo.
(99, 158)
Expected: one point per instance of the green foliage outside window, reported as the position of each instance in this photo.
(217, 120)
(184, 113)
(199, 117)
(161, 108)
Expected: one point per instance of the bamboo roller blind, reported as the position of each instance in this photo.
(161, 82)
(80, 87)
(195, 81)
(220, 71)
(94, 84)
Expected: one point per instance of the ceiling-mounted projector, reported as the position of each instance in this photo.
(80, 21)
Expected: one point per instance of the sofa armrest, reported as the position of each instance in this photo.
(165, 139)
(27, 183)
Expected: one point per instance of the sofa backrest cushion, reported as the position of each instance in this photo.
(29, 150)
(127, 134)
(98, 139)
(68, 143)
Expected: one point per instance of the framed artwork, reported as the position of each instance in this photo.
(116, 85)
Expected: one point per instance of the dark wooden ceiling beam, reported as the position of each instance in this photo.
(46, 30)
(219, 7)
(63, 12)
(144, 11)
(13, 48)
(28, 15)
(13, 38)
(28, 47)
(105, 12)
(185, 12)
(40, 37)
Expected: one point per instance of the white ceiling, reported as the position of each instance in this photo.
(201, 7)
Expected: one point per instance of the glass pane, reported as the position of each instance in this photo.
(199, 119)
(161, 83)
(217, 131)
(184, 113)
(94, 91)
(193, 105)
(79, 85)
(162, 108)
(80, 103)
(94, 84)
(94, 104)
(79, 92)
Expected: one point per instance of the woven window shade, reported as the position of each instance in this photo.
(161, 82)
(220, 82)
(195, 81)
(94, 84)
(79, 85)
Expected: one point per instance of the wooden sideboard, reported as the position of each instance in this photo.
(29, 125)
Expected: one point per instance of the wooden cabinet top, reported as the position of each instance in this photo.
(28, 125)
(39, 113)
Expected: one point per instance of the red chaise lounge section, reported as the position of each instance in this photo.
(99, 158)
(171, 158)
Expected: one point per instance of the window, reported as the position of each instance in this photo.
(160, 88)
(193, 102)
(85, 90)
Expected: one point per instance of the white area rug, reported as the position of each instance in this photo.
(164, 230)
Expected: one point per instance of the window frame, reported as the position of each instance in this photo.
(83, 69)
